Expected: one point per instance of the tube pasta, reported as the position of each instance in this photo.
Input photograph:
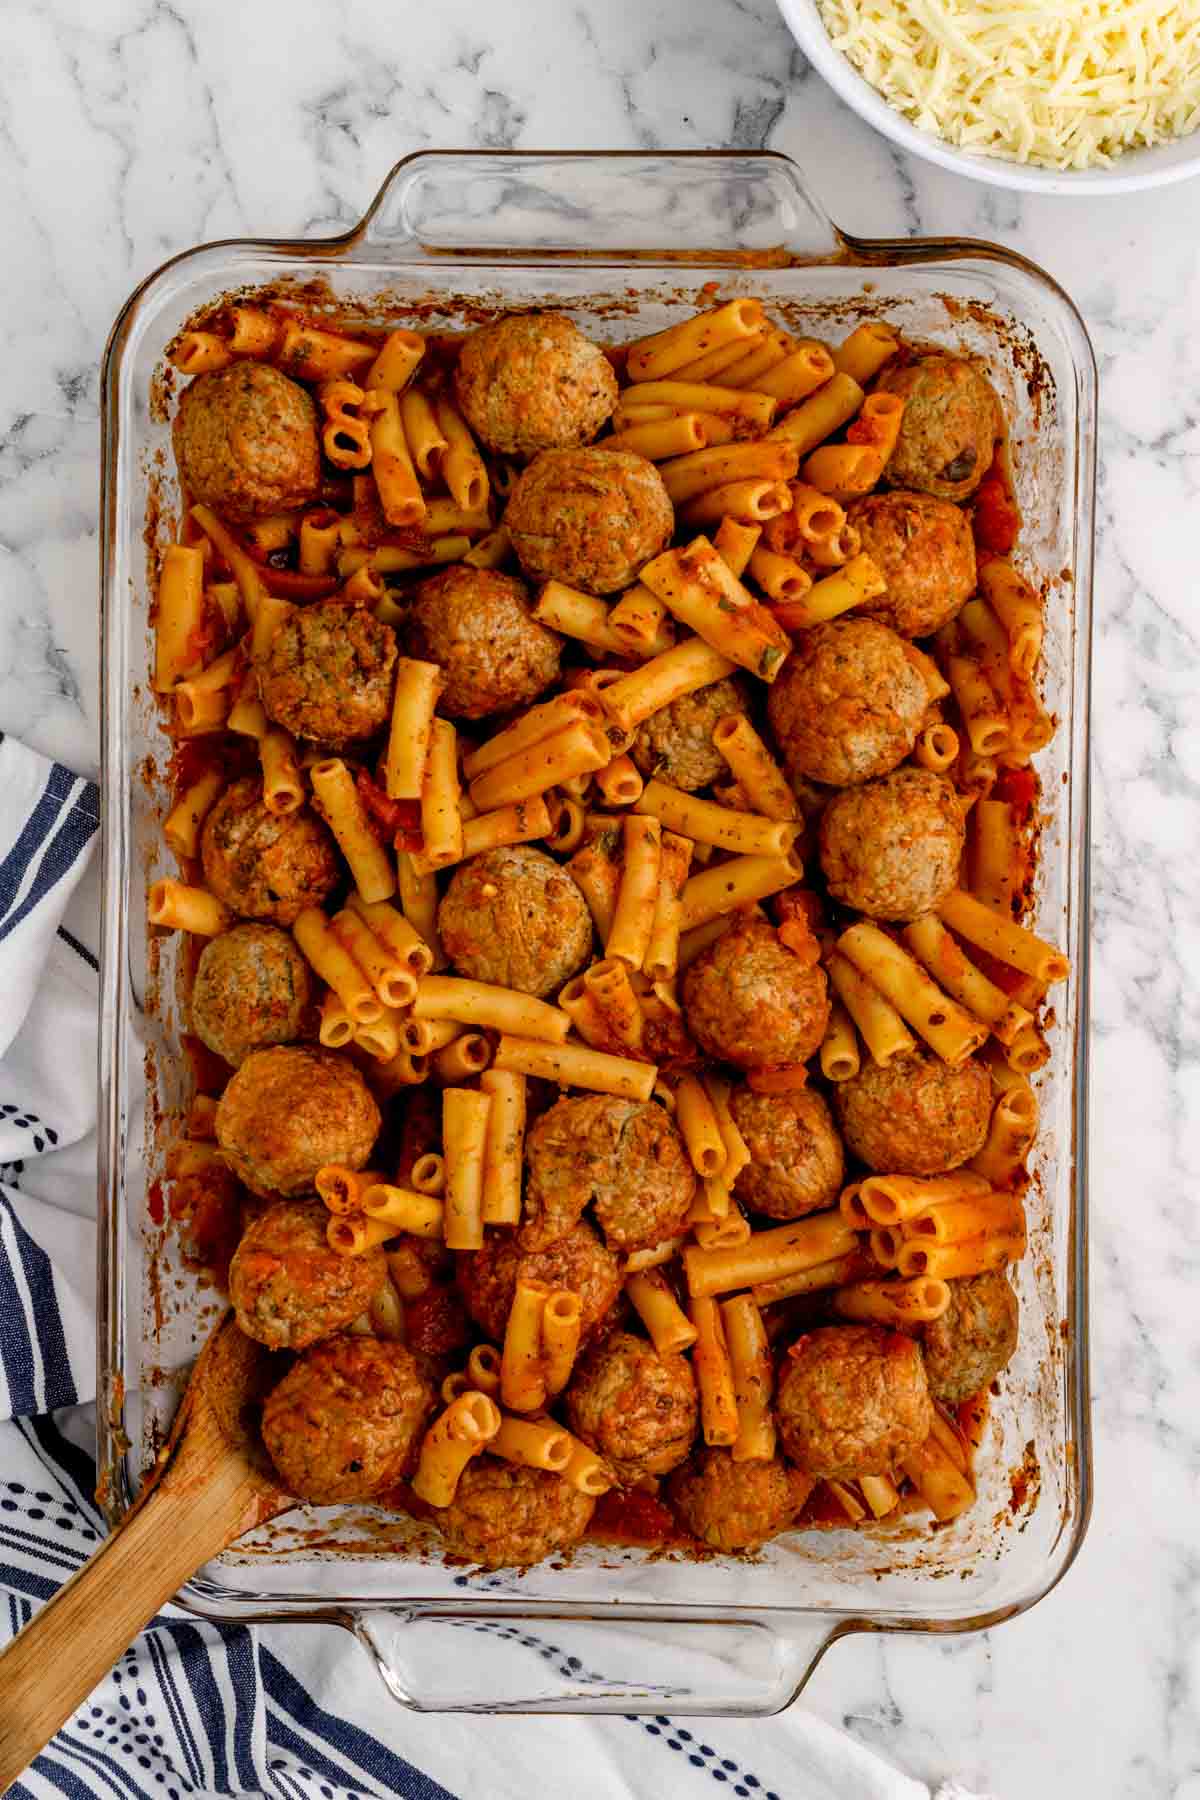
(896, 1199)
(993, 854)
(418, 685)
(714, 1375)
(699, 1127)
(199, 352)
(610, 989)
(392, 980)
(957, 1221)
(309, 354)
(688, 477)
(462, 467)
(394, 366)
(748, 413)
(830, 1274)
(619, 782)
(707, 823)
(737, 322)
(533, 1443)
(769, 1255)
(403, 1209)
(468, 1425)
(725, 1233)
(840, 1060)
(533, 727)
(426, 440)
(395, 477)
(682, 670)
(487, 1007)
(441, 814)
(464, 1137)
(353, 1234)
(340, 805)
(419, 903)
(1008, 942)
(745, 502)
(181, 908)
(636, 619)
(654, 1256)
(844, 471)
(178, 616)
(864, 352)
(522, 1372)
(573, 1065)
(946, 1027)
(336, 966)
(1010, 1137)
(633, 918)
(595, 871)
(937, 747)
(883, 1030)
(854, 583)
(465, 1056)
(753, 1379)
(662, 951)
(577, 749)
(780, 577)
(182, 825)
(942, 955)
(699, 588)
(245, 569)
(734, 884)
(346, 433)
(818, 417)
(737, 1153)
(950, 1262)
(659, 439)
(944, 1488)
(504, 1146)
(561, 1326)
(734, 541)
(1018, 609)
(754, 768)
(669, 1327)
(337, 1027)
(796, 375)
(396, 934)
(893, 1303)
(988, 729)
(587, 1472)
(584, 1014)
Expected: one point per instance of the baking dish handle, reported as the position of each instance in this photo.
(688, 206)
(482, 1658)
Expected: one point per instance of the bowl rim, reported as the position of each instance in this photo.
(803, 20)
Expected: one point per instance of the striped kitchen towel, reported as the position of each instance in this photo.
(291, 1712)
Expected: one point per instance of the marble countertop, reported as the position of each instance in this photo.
(135, 128)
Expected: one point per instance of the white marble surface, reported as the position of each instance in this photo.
(130, 129)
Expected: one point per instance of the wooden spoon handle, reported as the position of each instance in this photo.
(77, 1637)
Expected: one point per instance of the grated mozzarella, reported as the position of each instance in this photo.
(1067, 84)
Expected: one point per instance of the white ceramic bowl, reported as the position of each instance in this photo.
(1135, 169)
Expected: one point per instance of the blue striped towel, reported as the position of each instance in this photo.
(192, 1708)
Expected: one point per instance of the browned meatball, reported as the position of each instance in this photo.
(266, 865)
(924, 549)
(748, 1000)
(476, 623)
(534, 382)
(675, 744)
(736, 1505)
(623, 1159)
(579, 1261)
(949, 428)
(974, 1339)
(848, 703)
(516, 918)
(796, 1164)
(345, 1421)
(590, 518)
(328, 673)
(638, 1409)
(288, 1288)
(504, 1516)
(288, 1111)
(246, 441)
(892, 848)
(252, 989)
(916, 1116)
(851, 1400)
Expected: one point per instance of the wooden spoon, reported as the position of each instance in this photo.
(212, 1482)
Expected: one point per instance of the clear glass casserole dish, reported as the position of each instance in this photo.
(452, 237)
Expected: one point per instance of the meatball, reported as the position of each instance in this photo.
(736, 1505)
(327, 673)
(266, 865)
(638, 1409)
(916, 1116)
(476, 623)
(246, 441)
(252, 989)
(852, 1399)
(515, 918)
(974, 1338)
(675, 744)
(288, 1288)
(289, 1111)
(949, 428)
(892, 848)
(848, 703)
(590, 518)
(796, 1164)
(504, 1516)
(924, 549)
(345, 1421)
(622, 1158)
(748, 1000)
(534, 382)
(579, 1261)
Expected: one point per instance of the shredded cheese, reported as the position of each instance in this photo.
(1066, 84)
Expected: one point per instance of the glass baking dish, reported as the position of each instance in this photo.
(451, 238)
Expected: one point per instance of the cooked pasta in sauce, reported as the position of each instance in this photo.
(604, 814)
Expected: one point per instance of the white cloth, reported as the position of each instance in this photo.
(195, 1709)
